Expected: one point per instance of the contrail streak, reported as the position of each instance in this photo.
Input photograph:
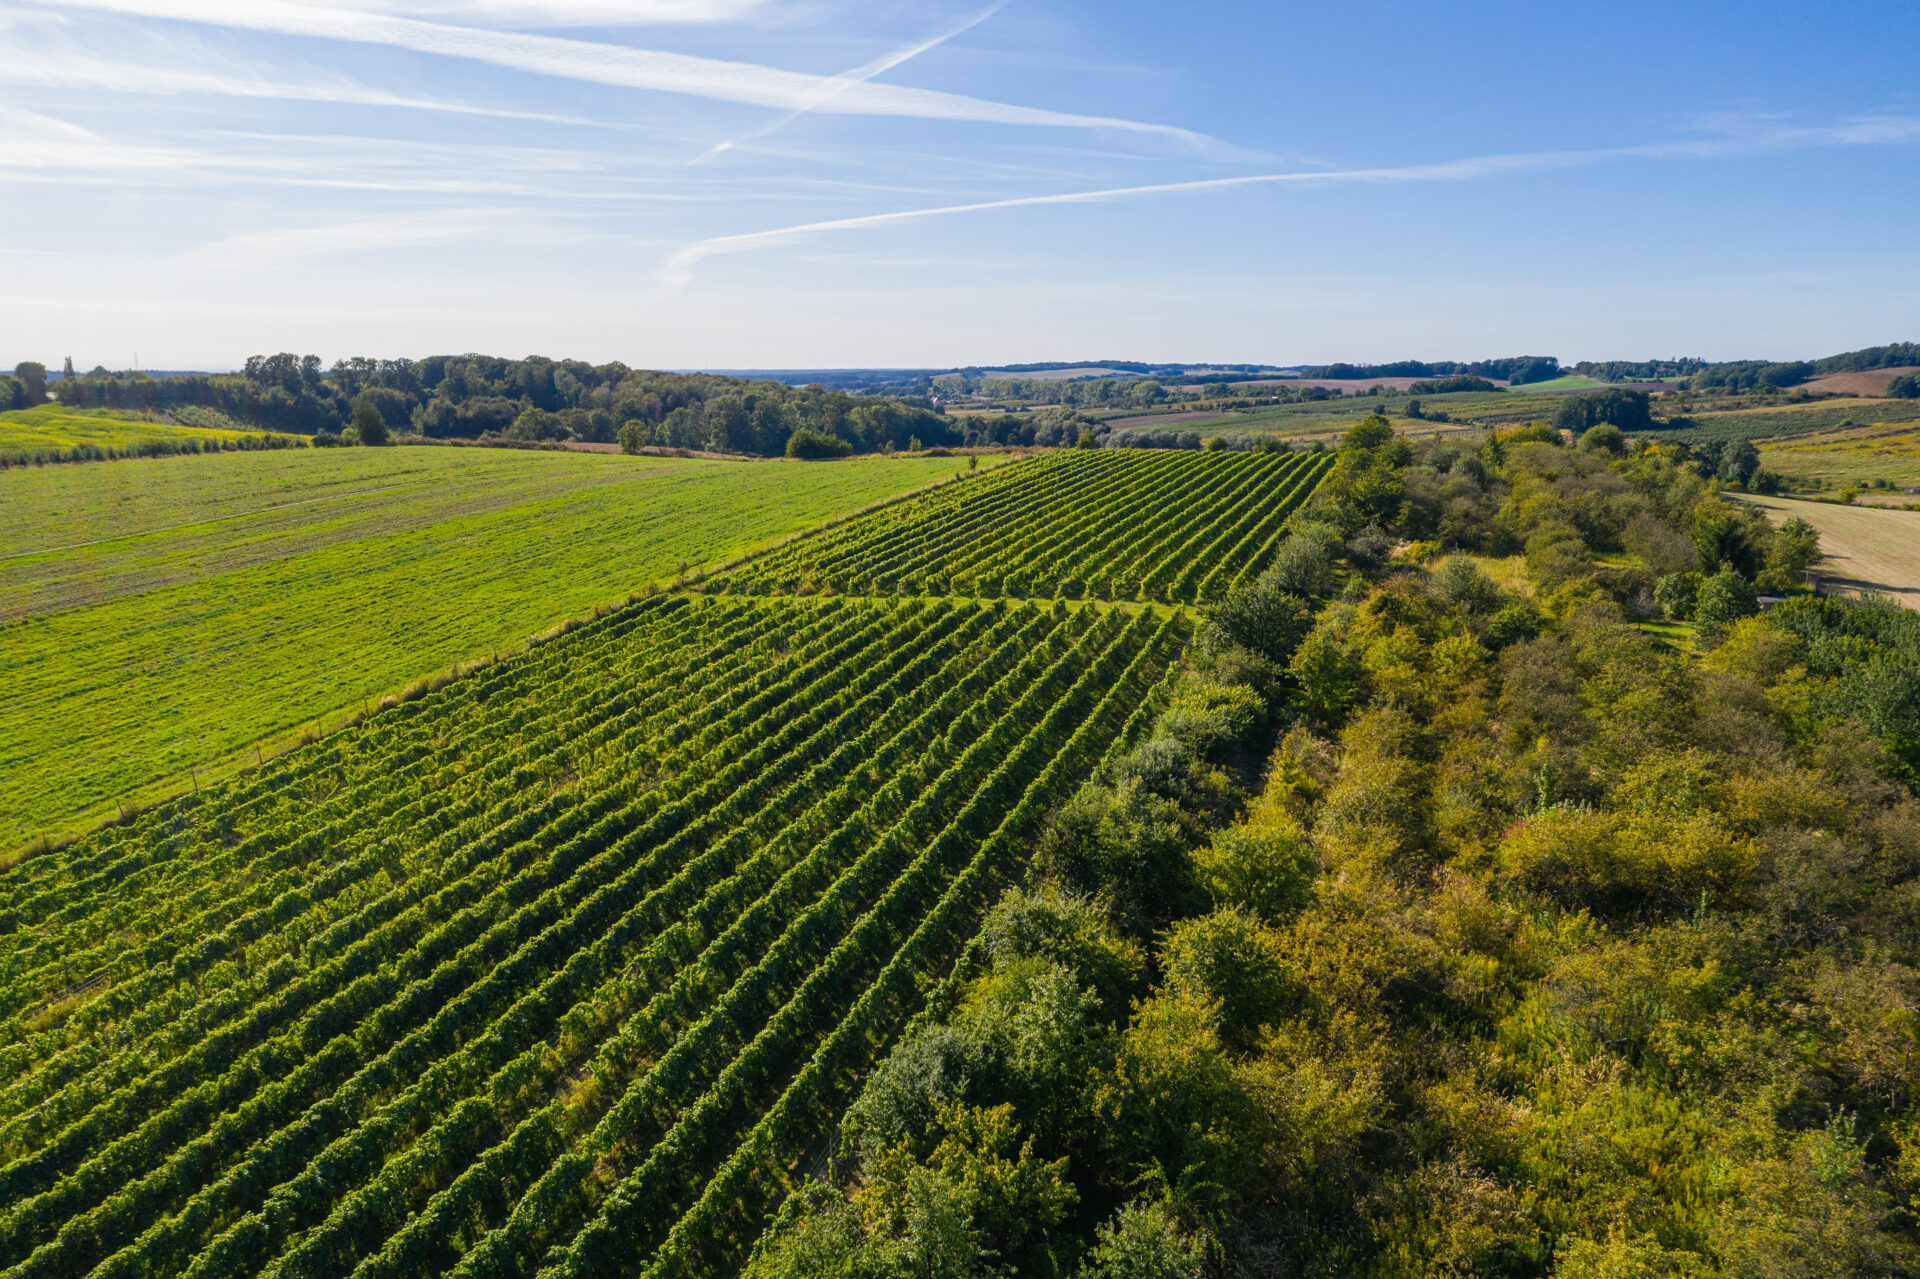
(625, 67)
(859, 75)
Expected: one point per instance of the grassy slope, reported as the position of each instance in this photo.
(161, 615)
(1866, 548)
(1890, 453)
(1566, 382)
(52, 427)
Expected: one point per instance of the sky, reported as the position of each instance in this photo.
(819, 184)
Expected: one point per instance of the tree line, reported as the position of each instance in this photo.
(1515, 369)
(525, 401)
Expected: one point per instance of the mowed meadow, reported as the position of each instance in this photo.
(167, 619)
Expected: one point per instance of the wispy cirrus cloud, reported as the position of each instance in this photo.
(859, 75)
(677, 270)
(70, 71)
(564, 13)
(619, 65)
(280, 246)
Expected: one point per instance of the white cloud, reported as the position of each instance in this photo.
(625, 67)
(66, 71)
(284, 245)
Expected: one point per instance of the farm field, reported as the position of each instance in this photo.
(1554, 386)
(1867, 549)
(1850, 455)
(568, 965)
(1866, 382)
(1779, 421)
(168, 615)
(1170, 525)
(1327, 419)
(52, 429)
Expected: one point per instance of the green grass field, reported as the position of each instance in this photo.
(161, 616)
(1569, 382)
(52, 428)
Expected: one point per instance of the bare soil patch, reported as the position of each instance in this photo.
(1871, 382)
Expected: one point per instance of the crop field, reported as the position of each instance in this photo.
(1119, 524)
(566, 967)
(1326, 419)
(1779, 421)
(1860, 454)
(167, 619)
(53, 430)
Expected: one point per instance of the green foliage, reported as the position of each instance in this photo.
(816, 446)
(1723, 599)
(1326, 676)
(1266, 868)
(1259, 617)
(1604, 438)
(1791, 553)
(1619, 407)
(1144, 1241)
(1230, 959)
(1677, 594)
(1131, 844)
(482, 397)
(1304, 565)
(370, 426)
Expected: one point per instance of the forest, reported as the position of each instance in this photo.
(1499, 892)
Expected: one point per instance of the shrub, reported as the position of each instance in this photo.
(1144, 1242)
(816, 446)
(1604, 438)
(1615, 863)
(1265, 867)
(1724, 599)
(1512, 624)
(1676, 594)
(368, 424)
(1303, 565)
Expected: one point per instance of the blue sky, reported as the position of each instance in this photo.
(752, 183)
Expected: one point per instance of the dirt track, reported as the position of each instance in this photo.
(1867, 549)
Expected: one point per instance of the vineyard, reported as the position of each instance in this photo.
(1126, 524)
(566, 963)
(569, 967)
